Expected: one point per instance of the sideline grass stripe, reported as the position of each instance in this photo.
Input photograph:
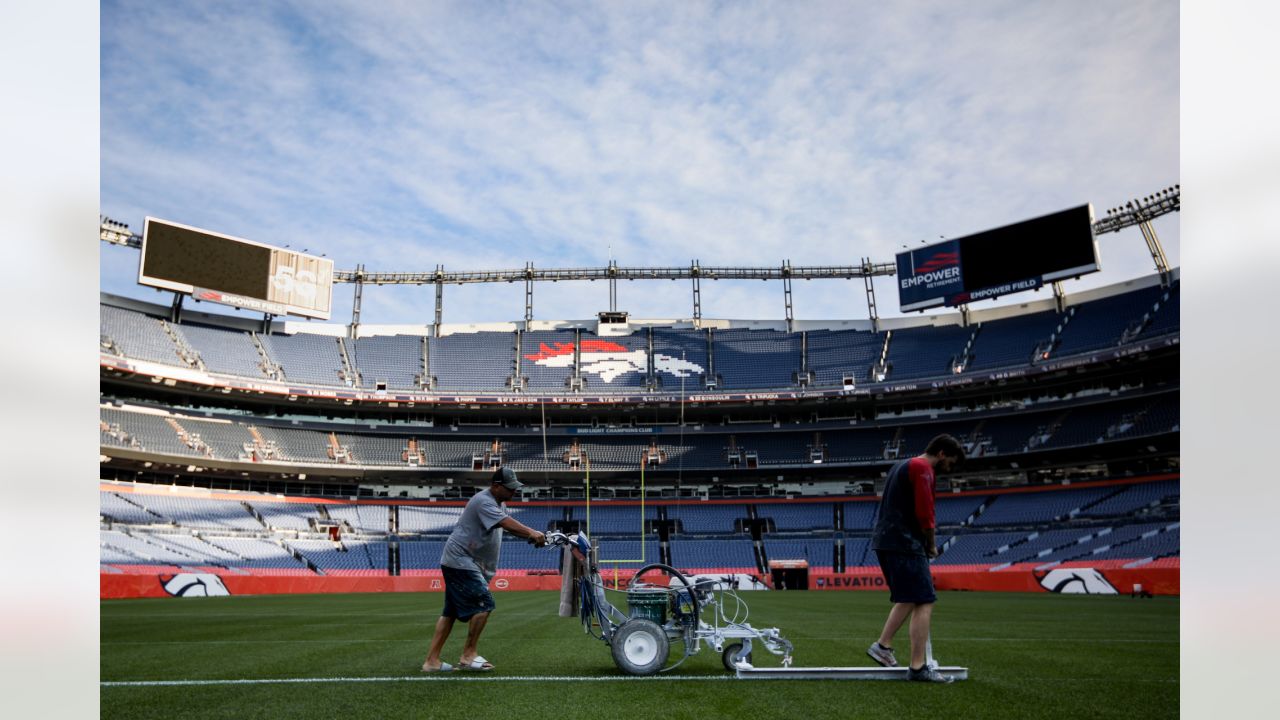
(434, 677)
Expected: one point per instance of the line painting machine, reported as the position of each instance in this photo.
(685, 614)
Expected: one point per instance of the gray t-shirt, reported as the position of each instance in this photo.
(475, 541)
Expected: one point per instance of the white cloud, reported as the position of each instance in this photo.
(409, 135)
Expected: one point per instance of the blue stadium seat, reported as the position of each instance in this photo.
(1100, 324)
(836, 354)
(138, 335)
(547, 358)
(680, 359)
(305, 358)
(614, 363)
(1010, 342)
(922, 352)
(756, 359)
(229, 352)
(472, 361)
(394, 359)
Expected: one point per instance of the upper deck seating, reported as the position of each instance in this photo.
(1010, 342)
(393, 359)
(138, 335)
(1099, 324)
(306, 358)
(835, 354)
(230, 352)
(472, 361)
(756, 359)
(611, 363)
(680, 359)
(921, 352)
(1165, 313)
(547, 358)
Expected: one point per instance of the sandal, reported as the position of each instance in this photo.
(477, 664)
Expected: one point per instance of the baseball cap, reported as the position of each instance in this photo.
(507, 477)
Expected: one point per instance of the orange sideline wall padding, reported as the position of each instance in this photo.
(139, 586)
(1156, 580)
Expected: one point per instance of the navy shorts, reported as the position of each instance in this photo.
(465, 594)
(908, 577)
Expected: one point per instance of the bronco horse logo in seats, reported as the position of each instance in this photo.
(610, 360)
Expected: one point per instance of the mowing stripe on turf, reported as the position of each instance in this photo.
(437, 677)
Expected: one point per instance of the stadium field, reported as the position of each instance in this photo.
(358, 656)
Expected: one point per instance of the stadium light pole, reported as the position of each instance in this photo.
(786, 293)
(356, 301)
(694, 273)
(1059, 296)
(439, 298)
(613, 285)
(1141, 212)
(528, 294)
(867, 267)
(117, 233)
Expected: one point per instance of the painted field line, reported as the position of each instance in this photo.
(458, 676)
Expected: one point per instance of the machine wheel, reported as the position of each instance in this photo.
(730, 654)
(640, 647)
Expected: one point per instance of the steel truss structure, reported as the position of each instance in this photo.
(1138, 212)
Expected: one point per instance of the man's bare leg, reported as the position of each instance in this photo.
(897, 616)
(475, 627)
(443, 627)
(920, 633)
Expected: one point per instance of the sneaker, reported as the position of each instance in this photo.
(928, 674)
(882, 655)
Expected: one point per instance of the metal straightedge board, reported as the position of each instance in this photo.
(840, 673)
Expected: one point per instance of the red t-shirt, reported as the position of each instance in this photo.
(906, 509)
(922, 486)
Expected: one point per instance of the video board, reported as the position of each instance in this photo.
(234, 271)
(1009, 259)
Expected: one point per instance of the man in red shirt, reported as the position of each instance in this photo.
(904, 543)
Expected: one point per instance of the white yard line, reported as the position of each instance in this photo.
(456, 676)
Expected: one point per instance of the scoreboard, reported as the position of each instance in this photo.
(233, 271)
(1009, 259)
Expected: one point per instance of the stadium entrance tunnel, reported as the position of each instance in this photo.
(789, 578)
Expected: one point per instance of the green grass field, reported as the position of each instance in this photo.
(1029, 655)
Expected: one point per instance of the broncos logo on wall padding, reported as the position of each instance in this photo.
(1077, 581)
(194, 585)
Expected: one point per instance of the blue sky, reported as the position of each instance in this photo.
(485, 135)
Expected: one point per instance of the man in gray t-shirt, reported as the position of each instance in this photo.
(476, 539)
(469, 562)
